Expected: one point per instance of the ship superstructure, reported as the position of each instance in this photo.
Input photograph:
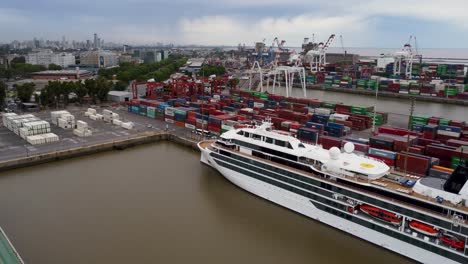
(348, 191)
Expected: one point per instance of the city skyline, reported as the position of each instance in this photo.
(372, 23)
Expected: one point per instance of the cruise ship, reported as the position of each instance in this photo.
(348, 191)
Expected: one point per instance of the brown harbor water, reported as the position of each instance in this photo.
(158, 204)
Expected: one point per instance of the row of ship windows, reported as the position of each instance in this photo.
(333, 188)
(277, 142)
(347, 216)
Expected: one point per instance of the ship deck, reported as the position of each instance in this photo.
(383, 184)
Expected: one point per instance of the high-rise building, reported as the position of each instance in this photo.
(96, 39)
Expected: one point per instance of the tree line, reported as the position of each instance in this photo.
(159, 71)
(61, 92)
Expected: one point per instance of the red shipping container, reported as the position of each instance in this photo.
(329, 142)
(457, 143)
(412, 164)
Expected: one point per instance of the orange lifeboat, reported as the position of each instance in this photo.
(452, 241)
(380, 214)
(423, 228)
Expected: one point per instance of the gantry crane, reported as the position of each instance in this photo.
(405, 55)
(317, 57)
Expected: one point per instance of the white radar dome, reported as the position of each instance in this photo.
(334, 153)
(349, 147)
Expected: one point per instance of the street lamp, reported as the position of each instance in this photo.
(375, 106)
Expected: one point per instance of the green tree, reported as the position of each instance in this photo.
(24, 91)
(91, 88)
(120, 86)
(54, 67)
(20, 59)
(80, 91)
(233, 82)
(3, 88)
(103, 87)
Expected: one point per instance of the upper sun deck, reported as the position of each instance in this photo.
(348, 162)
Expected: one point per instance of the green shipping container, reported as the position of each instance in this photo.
(444, 122)
(328, 105)
(455, 161)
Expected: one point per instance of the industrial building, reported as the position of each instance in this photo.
(99, 58)
(119, 96)
(46, 57)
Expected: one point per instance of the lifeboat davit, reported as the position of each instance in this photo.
(380, 214)
(452, 241)
(422, 228)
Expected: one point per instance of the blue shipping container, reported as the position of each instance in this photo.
(382, 153)
(450, 128)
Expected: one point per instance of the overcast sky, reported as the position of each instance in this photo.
(363, 23)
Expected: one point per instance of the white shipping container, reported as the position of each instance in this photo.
(115, 116)
(189, 126)
(106, 112)
(322, 111)
(449, 133)
(93, 117)
(169, 111)
(82, 132)
(54, 115)
(91, 111)
(99, 117)
(339, 117)
(87, 114)
(117, 122)
(127, 125)
(81, 124)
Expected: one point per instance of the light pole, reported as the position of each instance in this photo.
(375, 106)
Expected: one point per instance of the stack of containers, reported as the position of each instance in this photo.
(415, 163)
(42, 139)
(91, 112)
(191, 120)
(127, 125)
(109, 116)
(151, 112)
(55, 115)
(328, 81)
(34, 128)
(143, 109)
(430, 131)
(308, 135)
(388, 157)
(419, 119)
(202, 121)
(228, 125)
(335, 129)
(66, 121)
(160, 111)
(180, 114)
(169, 115)
(445, 132)
(82, 129)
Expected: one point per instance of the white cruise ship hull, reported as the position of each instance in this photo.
(304, 206)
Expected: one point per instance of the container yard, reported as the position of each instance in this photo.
(331, 124)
